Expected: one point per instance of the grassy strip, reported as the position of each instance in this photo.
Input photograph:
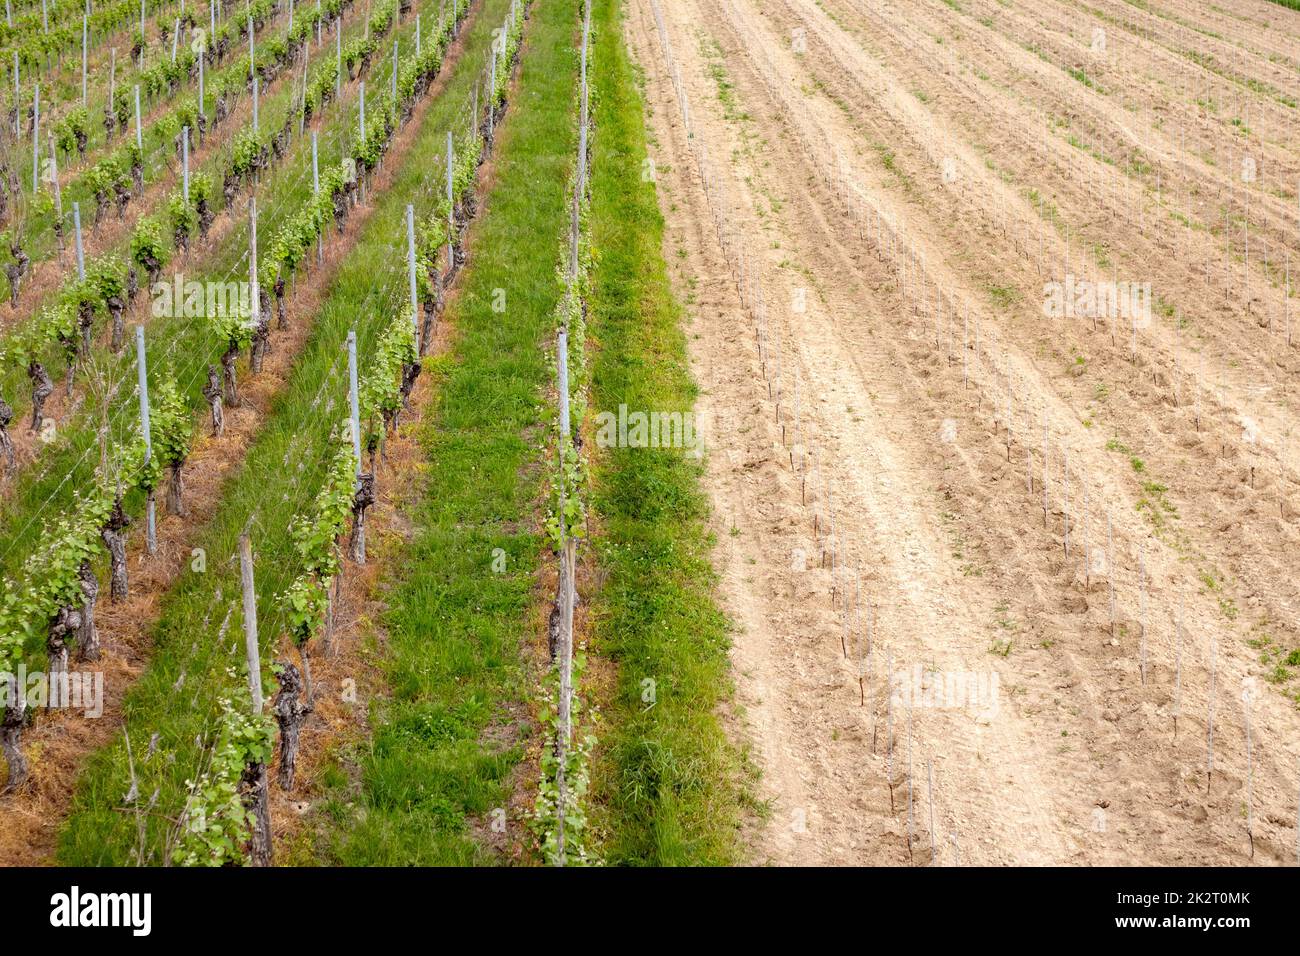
(455, 630)
(194, 663)
(667, 784)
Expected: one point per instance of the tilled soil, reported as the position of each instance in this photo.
(914, 471)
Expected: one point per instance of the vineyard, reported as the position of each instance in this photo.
(649, 432)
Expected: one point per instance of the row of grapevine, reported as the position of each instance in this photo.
(559, 815)
(42, 37)
(70, 131)
(380, 397)
(437, 237)
(225, 818)
(65, 328)
(118, 178)
(317, 533)
(165, 77)
(57, 599)
(49, 598)
(227, 806)
(341, 185)
(69, 122)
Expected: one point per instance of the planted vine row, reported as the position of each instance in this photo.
(559, 814)
(65, 328)
(52, 601)
(317, 533)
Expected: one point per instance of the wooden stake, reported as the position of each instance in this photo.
(929, 772)
(1178, 665)
(1110, 575)
(911, 815)
(1142, 615)
(1250, 775)
(151, 536)
(889, 726)
(252, 655)
(1209, 732)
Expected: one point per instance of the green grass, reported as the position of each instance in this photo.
(715, 58)
(439, 759)
(192, 665)
(666, 783)
(1082, 77)
(1003, 296)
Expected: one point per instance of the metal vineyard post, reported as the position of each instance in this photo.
(151, 537)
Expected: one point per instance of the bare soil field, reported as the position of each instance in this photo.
(922, 479)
